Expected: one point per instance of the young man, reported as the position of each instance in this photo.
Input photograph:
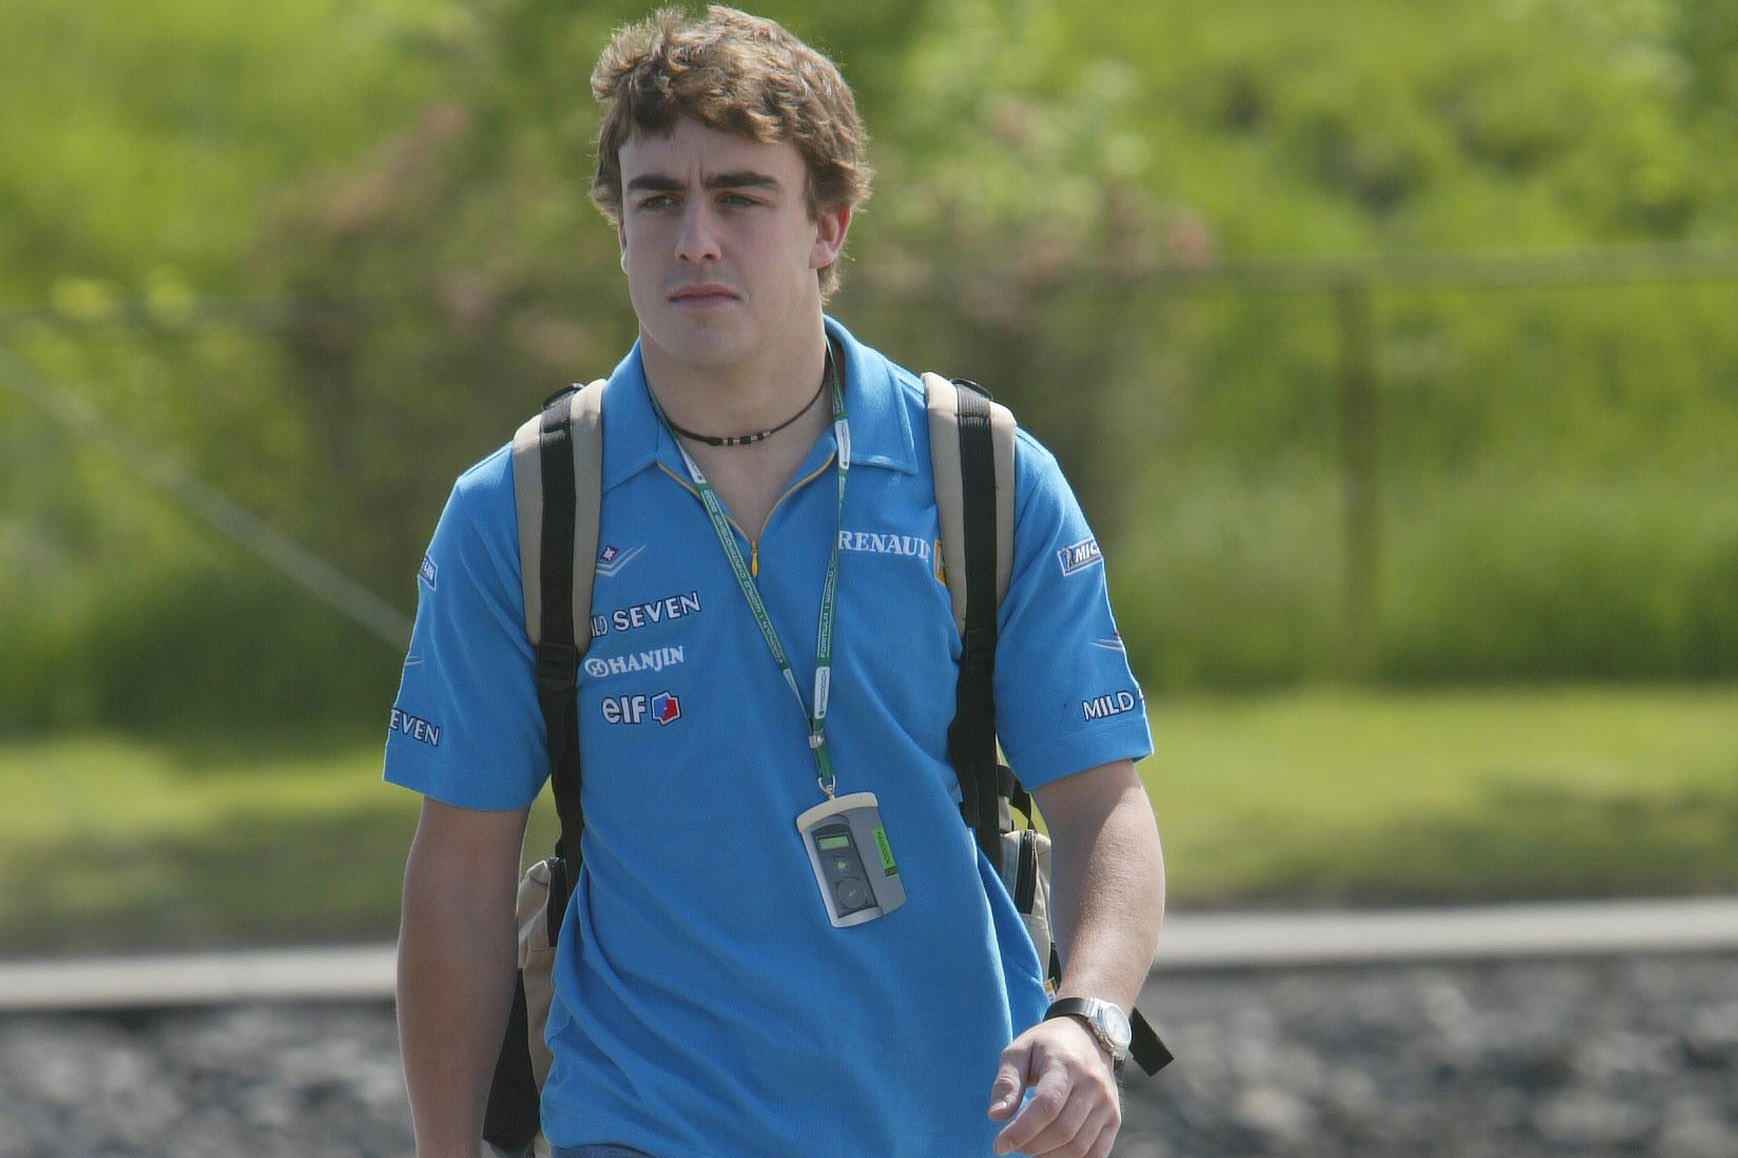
(705, 1002)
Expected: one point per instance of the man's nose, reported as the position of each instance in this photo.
(698, 240)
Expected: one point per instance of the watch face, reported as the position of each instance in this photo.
(1115, 1024)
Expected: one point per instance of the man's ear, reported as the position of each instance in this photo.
(831, 225)
(622, 241)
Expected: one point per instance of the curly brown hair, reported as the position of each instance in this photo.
(739, 74)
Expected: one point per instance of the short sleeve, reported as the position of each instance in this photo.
(466, 728)
(1066, 699)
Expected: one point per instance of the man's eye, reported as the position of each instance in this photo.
(737, 200)
(657, 201)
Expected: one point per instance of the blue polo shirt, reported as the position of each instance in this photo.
(704, 1005)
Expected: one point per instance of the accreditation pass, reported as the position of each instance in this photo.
(853, 862)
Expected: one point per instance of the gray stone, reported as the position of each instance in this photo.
(1694, 1128)
(1712, 1036)
(1521, 1059)
(1584, 1120)
(1284, 1119)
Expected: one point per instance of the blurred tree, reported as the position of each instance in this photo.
(406, 178)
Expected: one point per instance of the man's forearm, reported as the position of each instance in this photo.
(1107, 900)
(1108, 889)
(456, 960)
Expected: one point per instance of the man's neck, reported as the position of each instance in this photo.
(744, 397)
(745, 401)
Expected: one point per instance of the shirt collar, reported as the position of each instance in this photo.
(635, 439)
(880, 419)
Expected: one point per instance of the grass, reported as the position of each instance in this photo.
(1234, 579)
(1371, 798)
(109, 842)
(114, 842)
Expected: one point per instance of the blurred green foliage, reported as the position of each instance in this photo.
(326, 255)
(111, 842)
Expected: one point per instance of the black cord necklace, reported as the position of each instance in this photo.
(760, 436)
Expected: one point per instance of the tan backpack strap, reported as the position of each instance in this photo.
(942, 401)
(586, 427)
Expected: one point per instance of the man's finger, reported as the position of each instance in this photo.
(1106, 1139)
(1011, 1078)
(1049, 1096)
(1078, 1121)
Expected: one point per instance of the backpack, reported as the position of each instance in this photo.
(557, 484)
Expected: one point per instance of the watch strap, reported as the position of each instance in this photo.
(1085, 1008)
(1149, 1052)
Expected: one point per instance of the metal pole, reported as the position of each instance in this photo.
(1358, 458)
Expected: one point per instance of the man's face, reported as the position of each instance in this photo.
(719, 248)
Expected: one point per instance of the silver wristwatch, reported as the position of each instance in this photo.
(1108, 1023)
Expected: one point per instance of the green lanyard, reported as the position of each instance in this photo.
(817, 718)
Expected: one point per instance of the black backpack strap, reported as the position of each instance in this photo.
(972, 459)
(971, 738)
(557, 648)
(557, 490)
(557, 471)
(981, 519)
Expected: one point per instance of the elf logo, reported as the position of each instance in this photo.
(637, 709)
(1103, 707)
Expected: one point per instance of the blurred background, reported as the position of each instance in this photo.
(1390, 348)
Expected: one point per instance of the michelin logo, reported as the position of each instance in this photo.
(1104, 707)
(416, 728)
(637, 709)
(1079, 557)
(655, 660)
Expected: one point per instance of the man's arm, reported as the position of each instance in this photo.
(1107, 901)
(456, 960)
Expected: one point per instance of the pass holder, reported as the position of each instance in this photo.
(853, 862)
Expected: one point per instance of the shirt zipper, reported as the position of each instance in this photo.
(754, 544)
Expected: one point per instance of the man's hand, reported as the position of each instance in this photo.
(1074, 1111)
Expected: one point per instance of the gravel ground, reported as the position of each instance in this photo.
(1604, 1057)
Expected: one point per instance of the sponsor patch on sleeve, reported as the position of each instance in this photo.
(417, 728)
(427, 572)
(1079, 557)
(1105, 706)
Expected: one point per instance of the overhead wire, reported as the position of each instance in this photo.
(209, 505)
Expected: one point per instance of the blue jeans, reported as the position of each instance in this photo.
(599, 1152)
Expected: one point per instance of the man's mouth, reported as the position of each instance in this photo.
(704, 294)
